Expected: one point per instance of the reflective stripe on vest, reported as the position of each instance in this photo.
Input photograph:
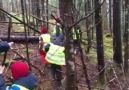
(17, 87)
(46, 38)
(56, 55)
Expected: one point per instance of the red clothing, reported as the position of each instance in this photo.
(44, 29)
(19, 70)
(43, 55)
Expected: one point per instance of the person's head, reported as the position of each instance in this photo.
(44, 29)
(77, 26)
(19, 69)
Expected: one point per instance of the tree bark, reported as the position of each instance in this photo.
(2, 15)
(110, 16)
(99, 39)
(117, 46)
(20, 38)
(88, 22)
(66, 15)
(126, 37)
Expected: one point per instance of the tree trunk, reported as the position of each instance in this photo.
(99, 39)
(33, 7)
(37, 8)
(104, 16)
(20, 38)
(25, 32)
(66, 15)
(87, 10)
(43, 10)
(47, 13)
(117, 46)
(126, 37)
(110, 16)
(2, 15)
(13, 7)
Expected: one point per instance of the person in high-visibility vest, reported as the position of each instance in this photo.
(23, 78)
(57, 30)
(44, 41)
(77, 35)
(56, 57)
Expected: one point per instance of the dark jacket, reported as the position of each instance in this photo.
(57, 40)
(30, 82)
(4, 46)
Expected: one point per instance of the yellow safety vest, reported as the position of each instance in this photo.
(56, 55)
(46, 38)
(16, 86)
(75, 34)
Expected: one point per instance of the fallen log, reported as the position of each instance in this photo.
(20, 39)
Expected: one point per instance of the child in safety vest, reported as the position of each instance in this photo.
(56, 57)
(44, 41)
(23, 78)
(77, 35)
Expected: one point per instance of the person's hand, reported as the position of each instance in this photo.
(1, 69)
(10, 44)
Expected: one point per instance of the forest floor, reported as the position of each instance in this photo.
(115, 81)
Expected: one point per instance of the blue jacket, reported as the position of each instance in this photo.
(57, 40)
(4, 46)
(30, 82)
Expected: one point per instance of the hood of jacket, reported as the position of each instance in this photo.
(57, 40)
(29, 82)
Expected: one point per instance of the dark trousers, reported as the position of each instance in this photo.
(56, 72)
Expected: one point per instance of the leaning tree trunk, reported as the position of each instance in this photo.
(117, 46)
(66, 15)
(99, 38)
(126, 37)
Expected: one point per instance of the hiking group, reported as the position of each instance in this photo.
(52, 52)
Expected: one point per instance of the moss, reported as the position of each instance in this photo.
(108, 49)
(108, 46)
(8, 61)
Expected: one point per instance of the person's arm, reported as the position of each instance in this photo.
(40, 44)
(47, 46)
(4, 46)
(2, 81)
